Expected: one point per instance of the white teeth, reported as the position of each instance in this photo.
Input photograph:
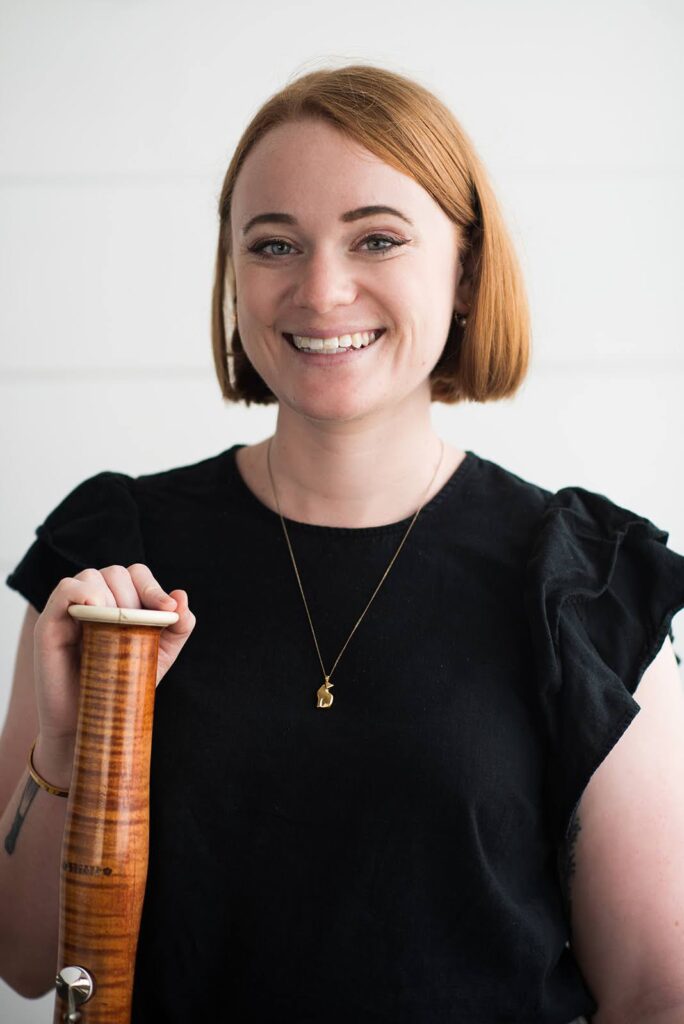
(360, 340)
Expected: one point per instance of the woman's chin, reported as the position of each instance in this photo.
(329, 406)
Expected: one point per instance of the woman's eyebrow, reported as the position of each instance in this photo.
(350, 215)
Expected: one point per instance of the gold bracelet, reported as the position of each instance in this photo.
(41, 782)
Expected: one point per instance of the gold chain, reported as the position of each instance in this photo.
(325, 697)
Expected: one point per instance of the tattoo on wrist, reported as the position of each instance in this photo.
(30, 790)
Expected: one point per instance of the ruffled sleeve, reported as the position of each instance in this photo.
(95, 525)
(601, 590)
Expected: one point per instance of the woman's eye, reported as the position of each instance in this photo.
(383, 238)
(260, 247)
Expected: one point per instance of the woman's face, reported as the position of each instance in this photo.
(317, 267)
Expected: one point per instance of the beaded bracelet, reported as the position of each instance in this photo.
(37, 778)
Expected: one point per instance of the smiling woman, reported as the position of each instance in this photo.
(393, 840)
(357, 129)
(340, 273)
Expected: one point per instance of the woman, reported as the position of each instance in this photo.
(390, 838)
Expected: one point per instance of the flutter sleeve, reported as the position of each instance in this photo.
(601, 590)
(97, 524)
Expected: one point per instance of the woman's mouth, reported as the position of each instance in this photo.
(327, 349)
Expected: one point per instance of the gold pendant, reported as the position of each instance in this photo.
(325, 697)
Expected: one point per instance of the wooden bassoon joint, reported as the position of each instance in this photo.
(106, 832)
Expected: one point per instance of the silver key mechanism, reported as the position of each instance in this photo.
(75, 986)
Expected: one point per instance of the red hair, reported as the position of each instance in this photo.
(409, 128)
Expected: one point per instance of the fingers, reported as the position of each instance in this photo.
(186, 619)
(138, 585)
(173, 638)
(54, 627)
(113, 587)
(87, 587)
(132, 587)
(57, 635)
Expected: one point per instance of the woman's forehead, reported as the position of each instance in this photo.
(313, 139)
(306, 166)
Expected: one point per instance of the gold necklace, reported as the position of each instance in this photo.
(325, 697)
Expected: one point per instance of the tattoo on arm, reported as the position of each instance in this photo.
(566, 862)
(30, 790)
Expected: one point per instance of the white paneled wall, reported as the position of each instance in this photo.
(117, 122)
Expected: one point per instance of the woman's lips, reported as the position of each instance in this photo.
(341, 355)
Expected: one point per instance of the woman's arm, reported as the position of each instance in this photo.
(31, 832)
(625, 869)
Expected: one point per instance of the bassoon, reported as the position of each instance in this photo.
(106, 832)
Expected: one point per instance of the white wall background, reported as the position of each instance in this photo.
(117, 122)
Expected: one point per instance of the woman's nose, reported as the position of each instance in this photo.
(323, 282)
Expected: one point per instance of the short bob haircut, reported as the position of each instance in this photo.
(409, 128)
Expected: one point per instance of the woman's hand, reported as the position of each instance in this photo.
(57, 637)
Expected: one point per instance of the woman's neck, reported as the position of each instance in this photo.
(335, 475)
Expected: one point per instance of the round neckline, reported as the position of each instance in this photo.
(454, 481)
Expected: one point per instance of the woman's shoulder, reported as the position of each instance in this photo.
(108, 487)
(115, 517)
(600, 588)
(509, 481)
(572, 508)
(574, 540)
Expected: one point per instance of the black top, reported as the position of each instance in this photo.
(392, 858)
